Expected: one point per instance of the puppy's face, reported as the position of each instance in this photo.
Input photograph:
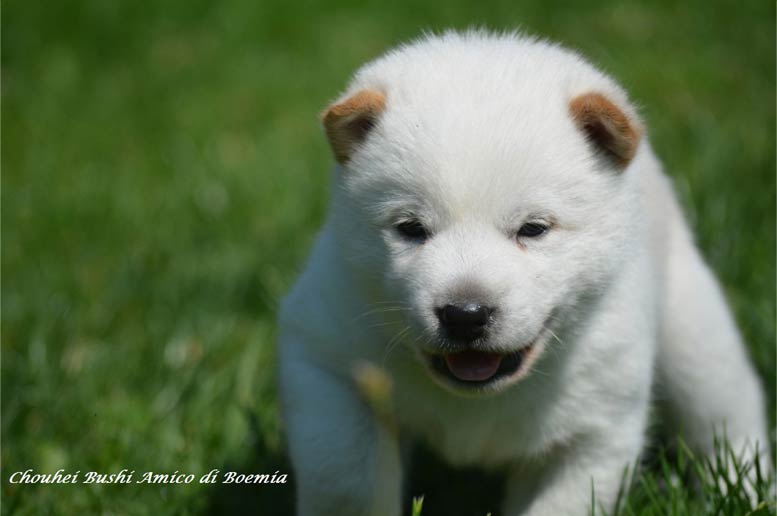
(491, 227)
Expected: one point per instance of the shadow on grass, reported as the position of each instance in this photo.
(447, 491)
(259, 499)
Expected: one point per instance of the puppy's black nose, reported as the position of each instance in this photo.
(465, 322)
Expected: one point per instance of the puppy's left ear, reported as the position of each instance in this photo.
(347, 123)
(607, 127)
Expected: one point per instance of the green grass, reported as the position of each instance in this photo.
(164, 173)
(716, 490)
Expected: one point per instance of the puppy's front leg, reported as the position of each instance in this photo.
(564, 486)
(346, 462)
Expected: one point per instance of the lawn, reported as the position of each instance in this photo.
(164, 174)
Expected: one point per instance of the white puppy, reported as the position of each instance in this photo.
(502, 243)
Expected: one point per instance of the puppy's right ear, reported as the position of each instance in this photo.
(607, 127)
(347, 123)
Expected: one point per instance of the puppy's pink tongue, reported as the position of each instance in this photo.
(473, 366)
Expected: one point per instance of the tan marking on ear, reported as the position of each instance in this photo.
(348, 122)
(606, 126)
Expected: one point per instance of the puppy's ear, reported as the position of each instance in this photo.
(607, 127)
(347, 123)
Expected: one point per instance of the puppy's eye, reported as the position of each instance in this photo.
(532, 230)
(412, 230)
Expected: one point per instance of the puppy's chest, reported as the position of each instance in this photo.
(479, 432)
(466, 444)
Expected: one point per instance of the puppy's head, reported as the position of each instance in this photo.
(492, 207)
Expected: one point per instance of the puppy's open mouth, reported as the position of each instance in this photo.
(479, 368)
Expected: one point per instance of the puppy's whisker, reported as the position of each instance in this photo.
(394, 342)
(381, 310)
(553, 334)
(383, 324)
(534, 369)
(419, 337)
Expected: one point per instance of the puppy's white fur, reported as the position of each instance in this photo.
(475, 139)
